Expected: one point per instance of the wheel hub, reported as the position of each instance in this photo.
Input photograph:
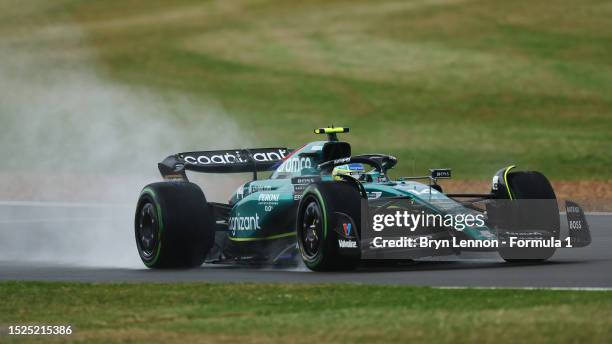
(147, 230)
(312, 229)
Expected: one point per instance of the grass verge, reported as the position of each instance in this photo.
(200, 312)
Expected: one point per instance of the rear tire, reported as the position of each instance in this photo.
(317, 225)
(536, 209)
(174, 226)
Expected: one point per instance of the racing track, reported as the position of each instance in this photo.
(31, 233)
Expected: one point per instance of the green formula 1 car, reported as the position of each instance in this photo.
(322, 204)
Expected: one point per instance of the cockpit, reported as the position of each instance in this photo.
(334, 158)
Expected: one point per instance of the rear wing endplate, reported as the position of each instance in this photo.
(222, 161)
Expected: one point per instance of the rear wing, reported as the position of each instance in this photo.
(222, 161)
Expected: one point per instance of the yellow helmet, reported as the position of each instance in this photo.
(354, 170)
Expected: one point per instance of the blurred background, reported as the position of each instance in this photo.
(94, 90)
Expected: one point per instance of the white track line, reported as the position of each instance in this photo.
(78, 219)
(536, 288)
(62, 204)
(592, 213)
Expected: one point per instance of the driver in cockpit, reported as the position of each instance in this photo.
(355, 170)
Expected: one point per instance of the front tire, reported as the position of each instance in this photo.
(533, 207)
(174, 227)
(324, 207)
